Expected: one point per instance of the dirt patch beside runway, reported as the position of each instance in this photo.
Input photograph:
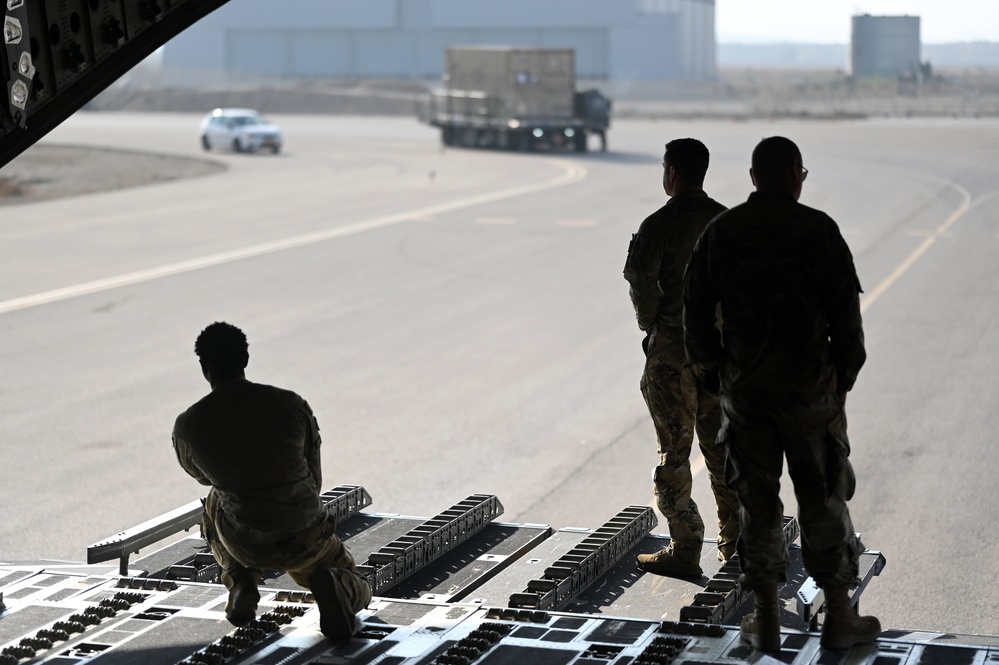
(54, 171)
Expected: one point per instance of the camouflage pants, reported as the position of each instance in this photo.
(299, 554)
(759, 432)
(679, 407)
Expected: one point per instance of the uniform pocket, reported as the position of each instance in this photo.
(842, 480)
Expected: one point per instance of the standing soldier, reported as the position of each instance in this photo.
(679, 398)
(788, 294)
(258, 448)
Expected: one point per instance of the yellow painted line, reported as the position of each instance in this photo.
(917, 253)
(571, 173)
(942, 231)
(697, 465)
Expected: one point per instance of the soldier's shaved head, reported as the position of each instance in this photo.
(776, 165)
(690, 159)
(222, 348)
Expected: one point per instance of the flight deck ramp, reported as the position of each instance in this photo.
(460, 587)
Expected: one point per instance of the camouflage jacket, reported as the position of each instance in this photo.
(259, 447)
(657, 257)
(789, 300)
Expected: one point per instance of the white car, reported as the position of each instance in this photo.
(242, 130)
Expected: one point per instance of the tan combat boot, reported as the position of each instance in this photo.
(676, 560)
(337, 606)
(843, 626)
(761, 628)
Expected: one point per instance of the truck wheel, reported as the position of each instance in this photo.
(447, 136)
(579, 142)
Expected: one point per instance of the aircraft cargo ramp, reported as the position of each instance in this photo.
(455, 589)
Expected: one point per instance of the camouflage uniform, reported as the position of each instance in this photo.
(793, 342)
(298, 554)
(673, 390)
(259, 448)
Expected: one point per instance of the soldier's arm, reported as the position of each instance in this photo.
(186, 457)
(313, 445)
(645, 257)
(841, 295)
(701, 336)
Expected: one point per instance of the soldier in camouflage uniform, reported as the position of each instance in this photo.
(789, 349)
(674, 390)
(258, 448)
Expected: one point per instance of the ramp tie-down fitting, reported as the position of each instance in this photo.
(575, 570)
(420, 546)
(723, 596)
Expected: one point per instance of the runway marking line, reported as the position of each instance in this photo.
(496, 221)
(940, 232)
(572, 173)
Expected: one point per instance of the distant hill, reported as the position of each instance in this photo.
(806, 56)
(835, 56)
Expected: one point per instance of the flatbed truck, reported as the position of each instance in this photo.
(515, 98)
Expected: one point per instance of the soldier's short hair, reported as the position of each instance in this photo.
(223, 347)
(690, 159)
(772, 157)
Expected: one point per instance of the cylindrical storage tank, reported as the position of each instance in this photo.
(884, 46)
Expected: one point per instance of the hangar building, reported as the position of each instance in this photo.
(615, 40)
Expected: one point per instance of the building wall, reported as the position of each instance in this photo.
(620, 40)
(884, 45)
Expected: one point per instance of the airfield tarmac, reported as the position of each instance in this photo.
(459, 322)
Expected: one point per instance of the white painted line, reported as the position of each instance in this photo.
(572, 173)
(496, 221)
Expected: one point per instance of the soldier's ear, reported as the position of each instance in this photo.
(752, 176)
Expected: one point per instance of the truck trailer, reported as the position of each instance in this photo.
(515, 98)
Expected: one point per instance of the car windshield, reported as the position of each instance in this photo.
(241, 120)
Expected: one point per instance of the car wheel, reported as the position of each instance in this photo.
(205, 143)
(237, 146)
(275, 148)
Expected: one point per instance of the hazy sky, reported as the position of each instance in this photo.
(828, 21)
